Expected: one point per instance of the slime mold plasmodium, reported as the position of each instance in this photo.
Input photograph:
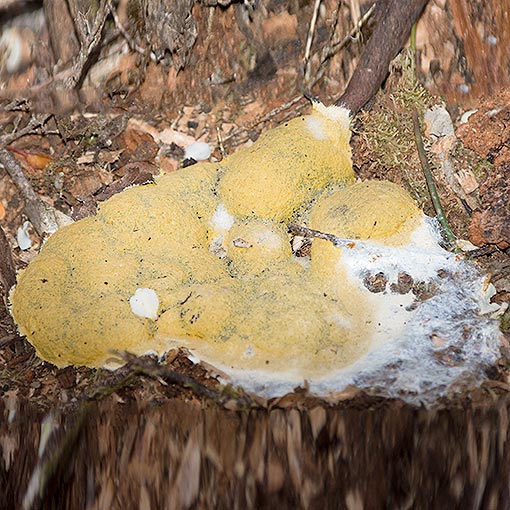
(208, 248)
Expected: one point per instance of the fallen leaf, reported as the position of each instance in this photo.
(467, 180)
(166, 136)
(109, 156)
(86, 158)
(35, 160)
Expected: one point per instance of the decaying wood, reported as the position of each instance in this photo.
(64, 43)
(368, 454)
(167, 32)
(89, 33)
(394, 19)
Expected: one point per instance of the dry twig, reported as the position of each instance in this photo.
(310, 232)
(131, 43)
(309, 39)
(394, 21)
(151, 368)
(38, 212)
(44, 218)
(332, 49)
(352, 34)
(90, 38)
(35, 122)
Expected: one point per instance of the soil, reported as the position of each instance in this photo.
(167, 435)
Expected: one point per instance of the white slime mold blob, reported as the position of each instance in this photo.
(145, 303)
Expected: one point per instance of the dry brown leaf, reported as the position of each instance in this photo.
(35, 160)
(467, 180)
(166, 136)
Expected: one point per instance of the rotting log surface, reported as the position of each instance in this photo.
(367, 453)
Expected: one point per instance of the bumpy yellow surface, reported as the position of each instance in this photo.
(254, 246)
(287, 166)
(373, 210)
(229, 289)
(379, 211)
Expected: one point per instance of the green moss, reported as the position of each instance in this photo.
(481, 168)
(388, 127)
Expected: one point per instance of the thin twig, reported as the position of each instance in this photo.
(335, 48)
(310, 232)
(16, 172)
(331, 51)
(152, 369)
(131, 43)
(480, 252)
(35, 122)
(221, 147)
(430, 180)
(19, 104)
(309, 39)
(45, 218)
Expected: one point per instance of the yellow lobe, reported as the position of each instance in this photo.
(378, 211)
(287, 166)
(253, 246)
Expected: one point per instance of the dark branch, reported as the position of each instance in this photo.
(394, 19)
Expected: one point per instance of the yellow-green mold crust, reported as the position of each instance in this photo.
(379, 211)
(232, 291)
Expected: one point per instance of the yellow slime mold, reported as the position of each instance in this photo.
(277, 322)
(253, 246)
(287, 166)
(378, 211)
(210, 242)
(373, 210)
